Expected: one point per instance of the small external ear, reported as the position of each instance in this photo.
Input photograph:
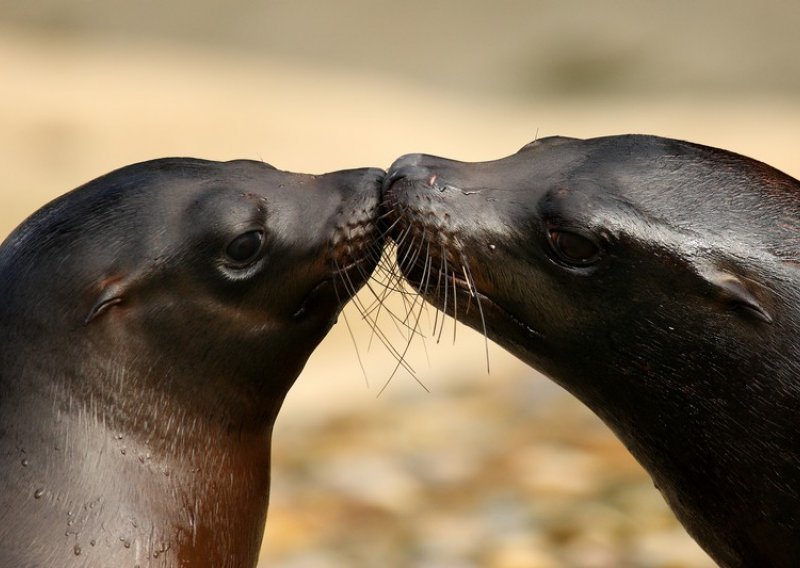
(112, 293)
(733, 290)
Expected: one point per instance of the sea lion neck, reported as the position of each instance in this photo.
(131, 471)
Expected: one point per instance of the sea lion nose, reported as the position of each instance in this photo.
(371, 177)
(406, 167)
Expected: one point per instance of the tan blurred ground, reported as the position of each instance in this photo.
(499, 470)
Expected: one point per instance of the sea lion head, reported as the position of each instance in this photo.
(182, 267)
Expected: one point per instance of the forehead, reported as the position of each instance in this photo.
(684, 185)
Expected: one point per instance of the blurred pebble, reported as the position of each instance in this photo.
(378, 480)
(521, 551)
(485, 475)
(668, 549)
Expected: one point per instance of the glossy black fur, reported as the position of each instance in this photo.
(141, 370)
(682, 336)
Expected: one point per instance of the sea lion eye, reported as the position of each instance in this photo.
(245, 247)
(573, 248)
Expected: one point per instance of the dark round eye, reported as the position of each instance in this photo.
(573, 248)
(245, 247)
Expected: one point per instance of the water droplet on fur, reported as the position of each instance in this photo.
(38, 493)
(24, 462)
(77, 550)
(492, 247)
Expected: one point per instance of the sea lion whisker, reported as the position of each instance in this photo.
(386, 341)
(426, 273)
(408, 251)
(374, 327)
(379, 304)
(388, 269)
(355, 347)
(425, 281)
(400, 241)
(393, 351)
(372, 321)
(423, 309)
(366, 276)
(437, 291)
(422, 242)
(471, 282)
(409, 306)
(415, 296)
(391, 283)
(394, 275)
(357, 264)
(384, 233)
(342, 272)
(402, 359)
(467, 279)
(349, 285)
(376, 250)
(446, 289)
(455, 305)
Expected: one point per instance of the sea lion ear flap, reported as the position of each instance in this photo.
(734, 291)
(112, 293)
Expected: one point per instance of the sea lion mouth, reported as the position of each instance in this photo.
(310, 298)
(487, 307)
(352, 262)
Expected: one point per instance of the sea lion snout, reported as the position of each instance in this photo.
(365, 179)
(408, 166)
(426, 170)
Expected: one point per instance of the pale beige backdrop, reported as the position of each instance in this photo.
(500, 470)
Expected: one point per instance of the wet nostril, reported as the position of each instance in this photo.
(413, 173)
(373, 174)
(374, 179)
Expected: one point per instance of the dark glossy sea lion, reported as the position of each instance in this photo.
(656, 280)
(152, 322)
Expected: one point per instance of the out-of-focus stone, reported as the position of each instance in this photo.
(521, 551)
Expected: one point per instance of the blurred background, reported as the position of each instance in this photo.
(498, 469)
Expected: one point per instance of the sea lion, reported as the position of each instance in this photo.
(654, 279)
(152, 322)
